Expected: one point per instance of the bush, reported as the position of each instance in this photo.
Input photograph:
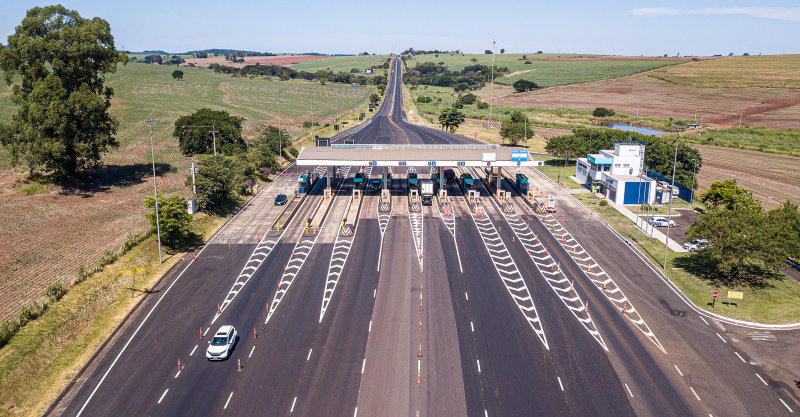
(174, 221)
(603, 112)
(482, 105)
(521, 86)
(424, 99)
(603, 203)
(468, 98)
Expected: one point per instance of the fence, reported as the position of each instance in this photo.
(684, 193)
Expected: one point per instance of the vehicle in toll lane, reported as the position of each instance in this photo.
(449, 175)
(427, 200)
(661, 222)
(221, 345)
(281, 199)
(426, 191)
(375, 185)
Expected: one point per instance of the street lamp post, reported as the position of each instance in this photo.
(694, 171)
(155, 187)
(566, 156)
(280, 138)
(674, 164)
(525, 130)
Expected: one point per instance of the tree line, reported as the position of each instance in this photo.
(471, 77)
(285, 73)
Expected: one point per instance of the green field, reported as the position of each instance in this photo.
(768, 71)
(544, 73)
(342, 63)
(761, 139)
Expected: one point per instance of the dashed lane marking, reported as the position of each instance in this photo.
(695, 394)
(472, 326)
(631, 393)
(162, 396)
(291, 410)
(786, 405)
(228, 401)
(678, 369)
(560, 384)
(740, 357)
(309, 354)
(479, 365)
(721, 338)
(179, 372)
(195, 348)
(251, 351)
(704, 320)
(762, 379)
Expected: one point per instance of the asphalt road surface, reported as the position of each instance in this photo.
(416, 314)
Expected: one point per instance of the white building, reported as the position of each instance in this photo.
(617, 173)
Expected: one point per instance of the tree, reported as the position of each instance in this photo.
(788, 217)
(524, 57)
(515, 129)
(62, 122)
(132, 271)
(213, 184)
(488, 52)
(201, 54)
(502, 51)
(175, 223)
(602, 112)
(524, 85)
(195, 137)
(177, 74)
(482, 105)
(468, 98)
(153, 59)
(451, 118)
(725, 194)
(374, 98)
(571, 146)
(474, 59)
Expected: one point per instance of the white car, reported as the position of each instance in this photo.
(222, 343)
(696, 245)
(661, 222)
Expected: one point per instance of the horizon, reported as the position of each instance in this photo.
(624, 28)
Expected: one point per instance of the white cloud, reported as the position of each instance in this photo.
(778, 13)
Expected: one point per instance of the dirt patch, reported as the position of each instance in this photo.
(621, 58)
(645, 96)
(285, 60)
(765, 175)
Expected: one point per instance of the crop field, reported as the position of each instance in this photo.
(341, 63)
(45, 237)
(771, 71)
(549, 70)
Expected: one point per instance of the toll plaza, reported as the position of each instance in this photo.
(436, 157)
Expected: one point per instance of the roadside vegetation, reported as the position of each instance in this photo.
(771, 71)
(761, 139)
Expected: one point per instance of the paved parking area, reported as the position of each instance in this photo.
(682, 223)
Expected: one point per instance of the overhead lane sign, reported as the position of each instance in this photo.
(519, 156)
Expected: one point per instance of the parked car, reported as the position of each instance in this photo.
(661, 222)
(280, 199)
(696, 245)
(222, 343)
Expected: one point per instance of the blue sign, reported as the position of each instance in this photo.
(403, 163)
(431, 163)
(374, 163)
(519, 155)
(461, 164)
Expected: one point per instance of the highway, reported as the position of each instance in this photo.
(419, 314)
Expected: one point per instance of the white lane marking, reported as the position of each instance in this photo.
(471, 326)
(785, 405)
(677, 369)
(560, 384)
(704, 320)
(179, 372)
(251, 351)
(363, 364)
(355, 412)
(485, 413)
(207, 329)
(740, 357)
(479, 365)
(631, 393)
(762, 379)
(695, 394)
(466, 296)
(229, 400)
(309, 354)
(373, 292)
(291, 410)
(370, 326)
(721, 338)
(165, 394)
(195, 348)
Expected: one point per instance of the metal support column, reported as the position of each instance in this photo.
(499, 175)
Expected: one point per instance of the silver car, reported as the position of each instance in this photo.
(222, 343)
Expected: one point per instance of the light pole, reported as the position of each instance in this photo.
(669, 212)
(566, 156)
(312, 114)
(694, 171)
(280, 137)
(491, 88)
(155, 187)
(525, 129)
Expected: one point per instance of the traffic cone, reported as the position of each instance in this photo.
(586, 307)
(254, 332)
(604, 286)
(625, 307)
(420, 305)
(512, 238)
(179, 365)
(239, 365)
(219, 310)
(201, 333)
(267, 308)
(572, 285)
(419, 353)
(420, 325)
(229, 247)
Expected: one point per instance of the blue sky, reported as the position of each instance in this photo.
(610, 27)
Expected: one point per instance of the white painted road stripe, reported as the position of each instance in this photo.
(355, 412)
(677, 369)
(695, 394)
(467, 296)
(485, 413)
(165, 393)
(309, 354)
(629, 390)
(373, 292)
(472, 326)
(740, 356)
(229, 400)
(195, 348)
(370, 326)
(560, 384)
(721, 338)
(479, 365)
(363, 364)
(251, 351)
(179, 372)
(762, 379)
(704, 320)
(785, 405)
(291, 410)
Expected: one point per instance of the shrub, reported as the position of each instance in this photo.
(521, 86)
(468, 98)
(603, 203)
(482, 105)
(603, 112)
(33, 189)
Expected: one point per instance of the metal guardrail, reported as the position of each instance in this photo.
(412, 146)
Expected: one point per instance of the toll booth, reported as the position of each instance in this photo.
(522, 183)
(359, 181)
(306, 182)
(413, 182)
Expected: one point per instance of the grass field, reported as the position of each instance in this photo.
(771, 71)
(775, 303)
(81, 225)
(777, 141)
(545, 73)
(342, 63)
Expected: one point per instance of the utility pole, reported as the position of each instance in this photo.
(155, 186)
(525, 130)
(214, 136)
(280, 136)
(499, 123)
(194, 190)
(312, 114)
(566, 156)
(674, 165)
(694, 171)
(491, 88)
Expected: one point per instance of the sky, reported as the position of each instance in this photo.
(637, 27)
